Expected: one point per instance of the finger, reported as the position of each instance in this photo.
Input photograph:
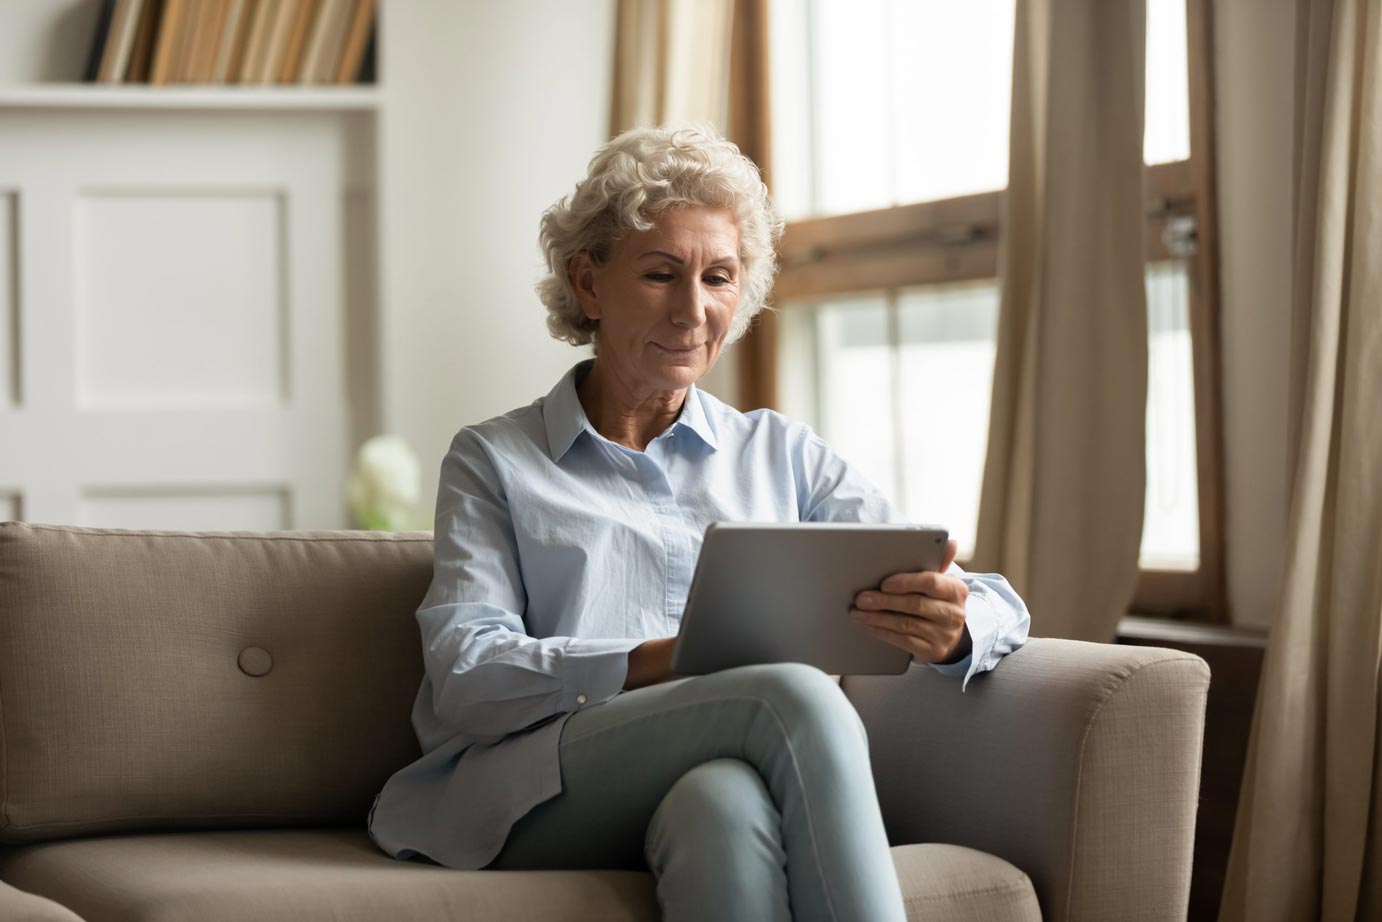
(920, 647)
(907, 604)
(952, 547)
(932, 626)
(925, 582)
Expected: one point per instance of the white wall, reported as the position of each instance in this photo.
(45, 40)
(1254, 52)
(493, 110)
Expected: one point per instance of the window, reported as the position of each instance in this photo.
(888, 296)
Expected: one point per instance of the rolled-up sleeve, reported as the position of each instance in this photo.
(830, 490)
(488, 676)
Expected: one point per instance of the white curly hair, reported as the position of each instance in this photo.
(630, 179)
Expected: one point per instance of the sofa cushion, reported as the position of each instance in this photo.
(191, 680)
(949, 883)
(19, 906)
(338, 875)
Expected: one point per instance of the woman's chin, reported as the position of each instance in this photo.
(679, 373)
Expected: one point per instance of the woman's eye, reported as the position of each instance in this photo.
(717, 280)
(659, 276)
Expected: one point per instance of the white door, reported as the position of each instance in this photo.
(171, 318)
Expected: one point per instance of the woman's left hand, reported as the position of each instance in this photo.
(922, 612)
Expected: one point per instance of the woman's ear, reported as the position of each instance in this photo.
(581, 271)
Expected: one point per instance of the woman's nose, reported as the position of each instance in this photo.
(688, 309)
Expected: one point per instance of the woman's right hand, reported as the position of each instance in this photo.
(650, 663)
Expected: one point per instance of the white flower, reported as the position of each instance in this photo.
(384, 487)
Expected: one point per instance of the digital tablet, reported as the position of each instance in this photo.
(777, 593)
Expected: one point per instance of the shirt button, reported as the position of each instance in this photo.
(580, 699)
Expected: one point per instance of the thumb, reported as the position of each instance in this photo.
(951, 549)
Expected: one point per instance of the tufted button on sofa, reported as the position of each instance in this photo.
(194, 725)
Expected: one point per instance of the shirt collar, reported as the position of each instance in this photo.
(694, 417)
(565, 419)
(563, 414)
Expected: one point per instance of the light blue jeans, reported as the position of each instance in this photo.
(748, 794)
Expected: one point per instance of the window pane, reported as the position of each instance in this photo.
(948, 334)
(952, 83)
(860, 119)
(848, 399)
(836, 371)
(1166, 136)
(944, 374)
(853, 129)
(856, 386)
(887, 102)
(792, 80)
(1170, 529)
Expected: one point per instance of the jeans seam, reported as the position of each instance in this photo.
(806, 806)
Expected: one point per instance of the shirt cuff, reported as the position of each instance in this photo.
(957, 668)
(593, 671)
(982, 625)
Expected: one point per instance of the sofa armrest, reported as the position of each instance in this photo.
(19, 906)
(1077, 762)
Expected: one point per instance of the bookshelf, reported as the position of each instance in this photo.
(188, 278)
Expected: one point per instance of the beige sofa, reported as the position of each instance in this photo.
(193, 726)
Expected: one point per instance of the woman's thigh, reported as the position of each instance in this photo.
(619, 758)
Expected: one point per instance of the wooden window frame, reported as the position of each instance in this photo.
(956, 240)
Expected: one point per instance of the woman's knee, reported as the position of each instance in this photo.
(796, 692)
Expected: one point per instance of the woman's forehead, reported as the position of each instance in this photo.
(687, 231)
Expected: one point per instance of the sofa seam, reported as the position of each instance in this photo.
(1011, 887)
(1122, 683)
(324, 535)
(796, 768)
(216, 816)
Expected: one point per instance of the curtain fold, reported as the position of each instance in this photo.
(1064, 481)
(671, 62)
(1308, 836)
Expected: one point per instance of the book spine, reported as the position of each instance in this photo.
(98, 44)
(142, 53)
(361, 27)
(297, 42)
(227, 41)
(169, 30)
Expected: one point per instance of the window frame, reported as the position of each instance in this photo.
(956, 239)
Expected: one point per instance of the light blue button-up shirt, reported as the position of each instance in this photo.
(558, 552)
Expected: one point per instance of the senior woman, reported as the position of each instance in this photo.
(554, 734)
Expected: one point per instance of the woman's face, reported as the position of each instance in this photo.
(665, 298)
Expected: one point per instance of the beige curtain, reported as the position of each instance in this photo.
(671, 62)
(1063, 492)
(1308, 841)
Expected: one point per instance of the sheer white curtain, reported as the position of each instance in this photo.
(1308, 841)
(1064, 481)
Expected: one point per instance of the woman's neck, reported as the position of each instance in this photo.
(623, 414)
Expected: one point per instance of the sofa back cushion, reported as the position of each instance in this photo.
(163, 680)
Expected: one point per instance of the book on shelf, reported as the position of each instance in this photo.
(357, 36)
(93, 59)
(220, 42)
(115, 56)
(141, 55)
(291, 65)
(225, 62)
